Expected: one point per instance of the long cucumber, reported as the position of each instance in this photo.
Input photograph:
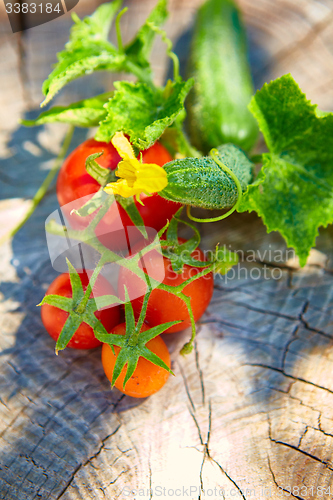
(217, 105)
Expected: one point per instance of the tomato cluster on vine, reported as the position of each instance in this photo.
(179, 300)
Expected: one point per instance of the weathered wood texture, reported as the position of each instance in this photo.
(250, 412)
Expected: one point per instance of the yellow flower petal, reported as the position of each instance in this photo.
(135, 177)
(123, 146)
(127, 170)
(152, 178)
(122, 188)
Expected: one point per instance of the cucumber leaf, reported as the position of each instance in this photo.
(142, 112)
(89, 50)
(86, 113)
(293, 191)
(139, 48)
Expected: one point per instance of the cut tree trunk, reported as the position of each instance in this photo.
(249, 413)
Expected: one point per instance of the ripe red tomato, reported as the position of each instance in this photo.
(147, 377)
(74, 183)
(54, 318)
(162, 305)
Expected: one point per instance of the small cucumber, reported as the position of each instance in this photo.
(217, 104)
(201, 182)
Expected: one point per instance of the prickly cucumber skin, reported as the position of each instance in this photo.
(217, 104)
(201, 182)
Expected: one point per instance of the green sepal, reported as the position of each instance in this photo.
(64, 303)
(133, 344)
(105, 301)
(71, 325)
(102, 175)
(72, 306)
(148, 335)
(129, 316)
(130, 354)
(77, 288)
(224, 261)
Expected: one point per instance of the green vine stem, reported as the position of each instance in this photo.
(118, 30)
(45, 184)
(169, 51)
(91, 284)
(214, 155)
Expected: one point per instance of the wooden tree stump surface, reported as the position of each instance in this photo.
(250, 411)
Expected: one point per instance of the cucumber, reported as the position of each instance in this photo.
(217, 104)
(200, 182)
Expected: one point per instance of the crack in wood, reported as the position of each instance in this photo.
(276, 483)
(87, 462)
(263, 311)
(302, 436)
(186, 386)
(288, 445)
(299, 379)
(197, 364)
(288, 344)
(230, 478)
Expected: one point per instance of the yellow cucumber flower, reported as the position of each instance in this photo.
(135, 177)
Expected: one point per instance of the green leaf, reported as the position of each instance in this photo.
(139, 48)
(129, 205)
(88, 50)
(141, 112)
(86, 113)
(293, 191)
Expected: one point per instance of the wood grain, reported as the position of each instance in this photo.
(249, 412)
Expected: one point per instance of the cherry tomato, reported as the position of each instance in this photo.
(162, 305)
(74, 183)
(147, 377)
(54, 318)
